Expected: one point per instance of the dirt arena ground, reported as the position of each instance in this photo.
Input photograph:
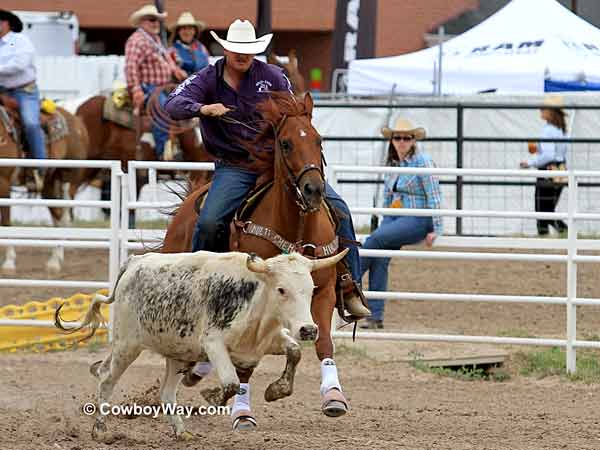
(393, 405)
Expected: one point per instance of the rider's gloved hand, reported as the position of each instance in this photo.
(215, 110)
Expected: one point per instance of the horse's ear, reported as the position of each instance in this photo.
(308, 103)
(293, 59)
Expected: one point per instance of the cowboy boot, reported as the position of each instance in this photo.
(350, 296)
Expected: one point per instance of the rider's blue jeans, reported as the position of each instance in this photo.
(159, 128)
(229, 187)
(29, 108)
(392, 234)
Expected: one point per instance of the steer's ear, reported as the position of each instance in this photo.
(327, 262)
(256, 264)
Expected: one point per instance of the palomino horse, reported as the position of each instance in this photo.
(292, 209)
(73, 146)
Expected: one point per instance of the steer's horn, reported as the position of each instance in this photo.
(255, 264)
(327, 262)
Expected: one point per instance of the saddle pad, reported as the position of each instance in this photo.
(55, 126)
(8, 124)
(123, 116)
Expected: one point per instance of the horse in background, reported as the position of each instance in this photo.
(291, 70)
(292, 211)
(112, 141)
(74, 145)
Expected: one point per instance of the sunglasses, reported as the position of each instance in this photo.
(407, 138)
(151, 19)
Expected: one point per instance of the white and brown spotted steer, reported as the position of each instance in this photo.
(230, 309)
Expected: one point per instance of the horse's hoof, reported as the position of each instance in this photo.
(334, 404)
(9, 270)
(185, 436)
(53, 268)
(243, 420)
(277, 390)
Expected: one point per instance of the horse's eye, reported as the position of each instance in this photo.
(285, 146)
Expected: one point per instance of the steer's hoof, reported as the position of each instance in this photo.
(214, 396)
(334, 404)
(94, 369)
(99, 432)
(277, 390)
(185, 436)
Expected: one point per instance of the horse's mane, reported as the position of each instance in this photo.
(273, 109)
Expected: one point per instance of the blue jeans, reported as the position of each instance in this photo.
(229, 187)
(159, 128)
(392, 234)
(29, 108)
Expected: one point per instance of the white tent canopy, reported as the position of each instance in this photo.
(513, 51)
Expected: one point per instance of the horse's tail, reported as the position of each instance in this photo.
(93, 317)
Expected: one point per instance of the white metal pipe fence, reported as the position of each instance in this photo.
(65, 237)
(120, 240)
(571, 258)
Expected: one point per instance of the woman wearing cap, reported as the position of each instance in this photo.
(549, 156)
(416, 191)
(190, 54)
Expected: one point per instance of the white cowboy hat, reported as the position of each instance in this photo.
(554, 101)
(404, 126)
(146, 11)
(241, 38)
(186, 19)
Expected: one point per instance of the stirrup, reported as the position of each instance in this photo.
(346, 287)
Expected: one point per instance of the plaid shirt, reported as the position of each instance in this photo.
(415, 191)
(146, 61)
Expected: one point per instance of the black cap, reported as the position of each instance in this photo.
(15, 23)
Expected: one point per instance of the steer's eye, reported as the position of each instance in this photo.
(281, 291)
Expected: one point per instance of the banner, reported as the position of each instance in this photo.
(354, 34)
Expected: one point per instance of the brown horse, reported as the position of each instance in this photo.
(291, 208)
(292, 71)
(111, 141)
(73, 146)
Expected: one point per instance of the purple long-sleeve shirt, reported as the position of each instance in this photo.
(223, 139)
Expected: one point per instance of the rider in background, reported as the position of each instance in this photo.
(189, 53)
(148, 66)
(17, 79)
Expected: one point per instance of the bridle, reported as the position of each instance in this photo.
(292, 182)
(294, 179)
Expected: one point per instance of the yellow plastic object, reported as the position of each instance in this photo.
(48, 106)
(120, 98)
(13, 338)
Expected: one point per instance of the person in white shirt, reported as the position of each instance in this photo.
(17, 79)
(549, 156)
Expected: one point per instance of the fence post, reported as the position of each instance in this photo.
(124, 219)
(572, 275)
(459, 164)
(115, 212)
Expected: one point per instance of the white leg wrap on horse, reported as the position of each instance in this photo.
(241, 401)
(329, 376)
(10, 265)
(202, 368)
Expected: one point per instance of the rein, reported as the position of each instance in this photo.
(292, 182)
